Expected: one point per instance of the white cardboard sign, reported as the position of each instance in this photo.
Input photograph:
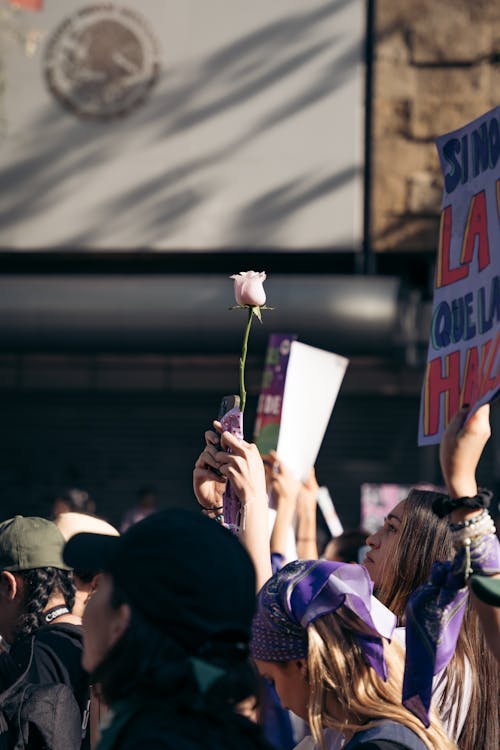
(313, 380)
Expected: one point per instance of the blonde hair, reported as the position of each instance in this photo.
(71, 523)
(347, 694)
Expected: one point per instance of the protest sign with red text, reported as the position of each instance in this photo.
(463, 361)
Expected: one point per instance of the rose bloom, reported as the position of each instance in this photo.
(248, 288)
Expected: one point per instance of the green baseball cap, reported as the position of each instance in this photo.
(28, 542)
(486, 589)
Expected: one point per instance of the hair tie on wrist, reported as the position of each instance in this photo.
(211, 507)
(444, 505)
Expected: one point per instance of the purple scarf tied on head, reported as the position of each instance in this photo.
(434, 615)
(307, 589)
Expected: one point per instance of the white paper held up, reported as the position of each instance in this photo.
(313, 380)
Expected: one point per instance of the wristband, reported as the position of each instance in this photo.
(211, 508)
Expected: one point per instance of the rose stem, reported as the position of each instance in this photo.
(243, 359)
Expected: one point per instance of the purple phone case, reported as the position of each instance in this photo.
(232, 422)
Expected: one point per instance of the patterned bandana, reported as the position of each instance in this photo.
(434, 615)
(307, 589)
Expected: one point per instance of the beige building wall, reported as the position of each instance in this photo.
(436, 67)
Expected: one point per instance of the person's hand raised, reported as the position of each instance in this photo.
(243, 467)
(307, 497)
(207, 485)
(461, 448)
(283, 486)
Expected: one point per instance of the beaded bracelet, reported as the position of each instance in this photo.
(443, 505)
(469, 522)
(465, 536)
(477, 550)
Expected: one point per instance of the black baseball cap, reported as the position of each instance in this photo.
(183, 571)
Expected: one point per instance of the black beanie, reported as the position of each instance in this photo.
(185, 573)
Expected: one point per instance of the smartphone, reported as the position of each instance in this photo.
(227, 403)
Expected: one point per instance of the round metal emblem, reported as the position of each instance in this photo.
(102, 61)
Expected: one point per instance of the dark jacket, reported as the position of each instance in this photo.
(56, 657)
(159, 727)
(38, 716)
(386, 735)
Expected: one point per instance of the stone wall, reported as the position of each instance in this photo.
(436, 67)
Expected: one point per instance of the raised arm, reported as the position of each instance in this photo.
(307, 546)
(460, 451)
(284, 489)
(208, 483)
(245, 469)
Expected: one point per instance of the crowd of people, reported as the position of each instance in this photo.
(432, 548)
(179, 633)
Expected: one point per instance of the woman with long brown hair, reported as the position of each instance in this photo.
(399, 561)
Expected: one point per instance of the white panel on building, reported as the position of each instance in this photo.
(185, 125)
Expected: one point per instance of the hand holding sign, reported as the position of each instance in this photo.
(281, 483)
(461, 448)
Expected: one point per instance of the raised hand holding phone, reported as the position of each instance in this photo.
(208, 482)
(242, 464)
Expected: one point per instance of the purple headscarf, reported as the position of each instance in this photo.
(434, 615)
(307, 589)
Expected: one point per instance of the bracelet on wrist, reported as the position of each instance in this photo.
(443, 505)
(212, 508)
(477, 550)
(469, 522)
(467, 535)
